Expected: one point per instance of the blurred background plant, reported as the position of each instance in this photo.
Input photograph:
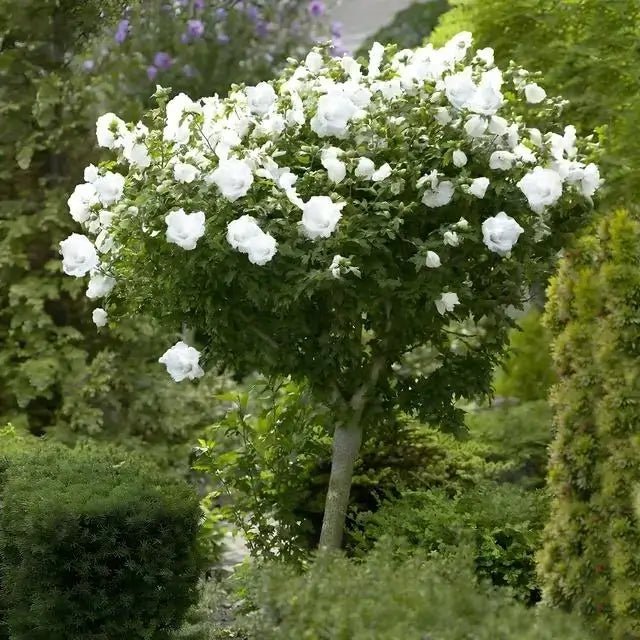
(199, 47)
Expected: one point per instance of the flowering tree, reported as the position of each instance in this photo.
(326, 223)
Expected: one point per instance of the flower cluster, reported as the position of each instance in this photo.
(339, 172)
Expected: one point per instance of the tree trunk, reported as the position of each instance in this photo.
(346, 445)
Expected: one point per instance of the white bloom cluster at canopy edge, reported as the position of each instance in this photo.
(284, 163)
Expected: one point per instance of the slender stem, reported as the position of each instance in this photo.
(346, 446)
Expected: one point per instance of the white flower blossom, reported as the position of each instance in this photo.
(334, 267)
(433, 260)
(460, 88)
(590, 181)
(486, 56)
(80, 202)
(438, 194)
(233, 177)
(241, 230)
(260, 248)
(313, 62)
(500, 233)
(179, 111)
(333, 115)
(502, 160)
(478, 187)
(542, 188)
(336, 169)
(99, 317)
(365, 169)
(185, 229)
(182, 362)
(91, 173)
(376, 54)
(443, 116)
(475, 126)
(100, 285)
(110, 131)
(320, 217)
(79, 256)
(261, 98)
(447, 302)
(185, 172)
(459, 158)
(381, 173)
(498, 126)
(109, 187)
(534, 93)
(451, 238)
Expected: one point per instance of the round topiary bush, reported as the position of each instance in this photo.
(324, 224)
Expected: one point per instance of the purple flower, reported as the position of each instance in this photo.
(338, 49)
(252, 13)
(223, 38)
(195, 28)
(221, 13)
(316, 8)
(162, 60)
(262, 28)
(152, 72)
(122, 31)
(88, 65)
(198, 5)
(336, 29)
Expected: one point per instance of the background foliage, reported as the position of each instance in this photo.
(589, 560)
(199, 48)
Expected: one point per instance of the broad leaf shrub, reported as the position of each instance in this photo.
(589, 560)
(95, 546)
(198, 47)
(500, 524)
(57, 374)
(516, 439)
(571, 41)
(380, 599)
(270, 458)
(333, 240)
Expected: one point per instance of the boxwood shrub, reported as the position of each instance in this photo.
(94, 546)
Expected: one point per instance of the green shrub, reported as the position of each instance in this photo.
(589, 560)
(501, 525)
(276, 470)
(383, 600)
(517, 439)
(527, 372)
(410, 26)
(95, 547)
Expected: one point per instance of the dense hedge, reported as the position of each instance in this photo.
(500, 524)
(379, 599)
(94, 547)
(590, 558)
